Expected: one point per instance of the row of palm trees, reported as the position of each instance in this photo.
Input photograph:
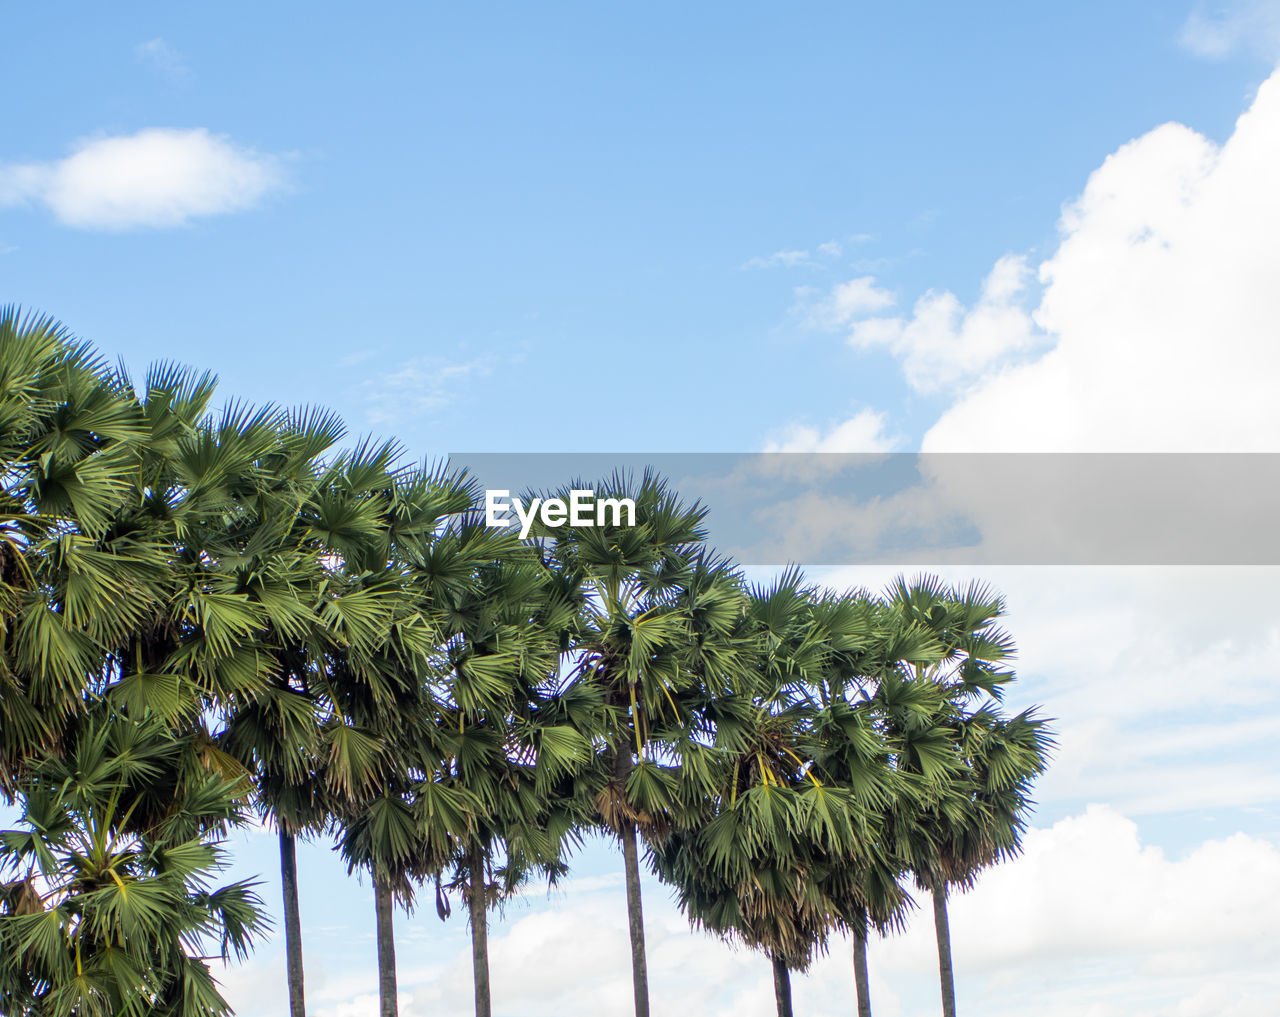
(206, 615)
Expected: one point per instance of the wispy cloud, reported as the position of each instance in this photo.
(358, 357)
(423, 385)
(779, 259)
(164, 58)
(1223, 29)
(796, 258)
(158, 177)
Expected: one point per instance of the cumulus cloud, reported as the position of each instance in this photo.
(1135, 676)
(1154, 329)
(1096, 914)
(1164, 684)
(1161, 302)
(943, 343)
(1090, 920)
(158, 177)
(863, 432)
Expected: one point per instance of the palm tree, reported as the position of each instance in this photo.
(655, 629)
(973, 769)
(110, 912)
(979, 819)
(754, 867)
(286, 732)
(517, 751)
(766, 860)
(865, 641)
(242, 625)
(157, 542)
(403, 819)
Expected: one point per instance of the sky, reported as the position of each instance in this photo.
(837, 227)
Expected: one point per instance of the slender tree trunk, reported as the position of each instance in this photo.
(945, 973)
(292, 923)
(384, 907)
(782, 986)
(479, 904)
(860, 979)
(635, 913)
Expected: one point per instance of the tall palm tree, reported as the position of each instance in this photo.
(518, 752)
(285, 731)
(754, 867)
(403, 820)
(853, 750)
(766, 861)
(655, 630)
(973, 769)
(237, 635)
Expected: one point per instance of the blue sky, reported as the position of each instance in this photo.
(526, 193)
(808, 227)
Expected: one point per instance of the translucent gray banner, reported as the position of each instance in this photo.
(949, 508)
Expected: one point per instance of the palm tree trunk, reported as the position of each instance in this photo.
(860, 979)
(292, 923)
(782, 986)
(479, 904)
(384, 907)
(635, 913)
(945, 972)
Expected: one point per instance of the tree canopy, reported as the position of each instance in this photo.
(211, 614)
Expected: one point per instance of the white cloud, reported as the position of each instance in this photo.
(1090, 920)
(1154, 329)
(1090, 911)
(1223, 29)
(1162, 299)
(164, 58)
(857, 297)
(1137, 678)
(844, 303)
(863, 432)
(1164, 684)
(158, 177)
(943, 343)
